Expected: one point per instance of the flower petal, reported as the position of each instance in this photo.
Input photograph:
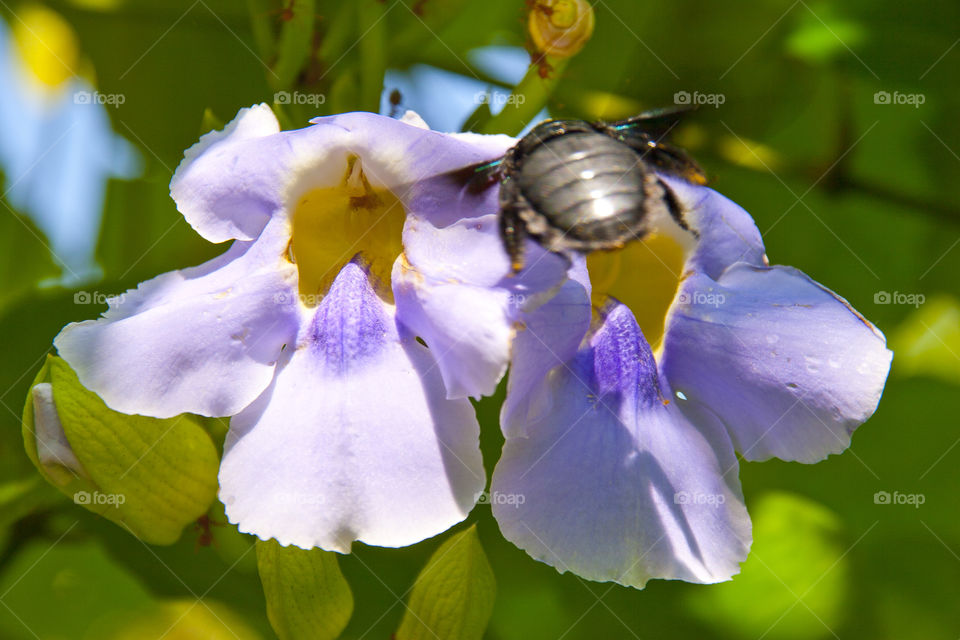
(458, 297)
(233, 181)
(226, 185)
(548, 338)
(614, 483)
(425, 169)
(240, 310)
(355, 439)
(727, 233)
(790, 367)
(467, 329)
(453, 285)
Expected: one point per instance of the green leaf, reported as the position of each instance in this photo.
(453, 595)
(151, 476)
(307, 596)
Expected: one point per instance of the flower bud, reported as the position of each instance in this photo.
(560, 28)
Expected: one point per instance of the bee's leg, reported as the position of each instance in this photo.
(666, 158)
(512, 229)
(675, 160)
(513, 234)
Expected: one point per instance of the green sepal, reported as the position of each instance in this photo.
(151, 476)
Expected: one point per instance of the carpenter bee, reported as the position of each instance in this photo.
(576, 185)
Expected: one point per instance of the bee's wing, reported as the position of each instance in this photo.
(468, 181)
(646, 131)
(655, 123)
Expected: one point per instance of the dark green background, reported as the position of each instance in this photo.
(861, 196)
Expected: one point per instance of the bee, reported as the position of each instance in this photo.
(582, 186)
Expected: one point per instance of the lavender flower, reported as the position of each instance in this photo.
(350, 238)
(621, 436)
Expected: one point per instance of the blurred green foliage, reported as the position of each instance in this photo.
(796, 578)
(857, 192)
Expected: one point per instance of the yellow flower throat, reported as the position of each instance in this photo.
(331, 225)
(644, 275)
